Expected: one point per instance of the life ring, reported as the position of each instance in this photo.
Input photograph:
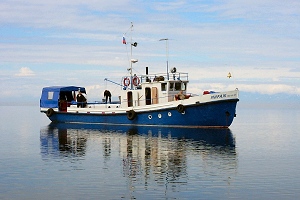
(126, 81)
(180, 108)
(131, 114)
(49, 112)
(136, 81)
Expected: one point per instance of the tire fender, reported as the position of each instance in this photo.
(131, 114)
(50, 112)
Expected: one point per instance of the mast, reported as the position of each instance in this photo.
(131, 59)
(167, 54)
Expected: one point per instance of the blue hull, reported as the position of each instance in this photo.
(213, 114)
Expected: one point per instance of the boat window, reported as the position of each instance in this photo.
(178, 86)
(50, 95)
(171, 86)
(183, 86)
(163, 86)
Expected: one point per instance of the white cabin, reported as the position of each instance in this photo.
(152, 89)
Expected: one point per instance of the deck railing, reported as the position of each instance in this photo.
(160, 77)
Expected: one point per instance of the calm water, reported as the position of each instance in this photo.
(258, 158)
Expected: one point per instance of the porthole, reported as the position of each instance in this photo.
(169, 114)
(183, 113)
(149, 116)
(159, 115)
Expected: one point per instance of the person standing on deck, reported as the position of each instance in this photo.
(81, 100)
(107, 95)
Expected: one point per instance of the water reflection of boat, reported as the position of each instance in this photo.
(214, 137)
(66, 138)
(145, 152)
(59, 142)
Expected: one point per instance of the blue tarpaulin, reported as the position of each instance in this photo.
(51, 95)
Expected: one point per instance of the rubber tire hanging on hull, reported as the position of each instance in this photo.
(180, 108)
(131, 114)
(49, 112)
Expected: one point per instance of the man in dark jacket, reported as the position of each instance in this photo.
(107, 95)
(81, 100)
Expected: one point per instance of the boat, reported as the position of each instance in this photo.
(149, 103)
(160, 99)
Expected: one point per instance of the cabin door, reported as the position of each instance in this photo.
(129, 99)
(148, 96)
(154, 95)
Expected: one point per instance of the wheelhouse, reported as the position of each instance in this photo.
(154, 89)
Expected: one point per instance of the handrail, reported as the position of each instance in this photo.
(177, 76)
(125, 101)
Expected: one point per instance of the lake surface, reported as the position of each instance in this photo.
(257, 158)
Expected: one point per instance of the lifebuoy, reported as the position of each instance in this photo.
(131, 114)
(126, 81)
(136, 81)
(49, 112)
(180, 108)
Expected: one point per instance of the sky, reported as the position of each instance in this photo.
(60, 42)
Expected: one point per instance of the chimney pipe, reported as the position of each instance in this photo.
(147, 79)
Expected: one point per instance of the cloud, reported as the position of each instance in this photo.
(80, 43)
(166, 6)
(25, 71)
(270, 89)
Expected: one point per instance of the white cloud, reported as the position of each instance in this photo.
(25, 71)
(80, 42)
(270, 89)
(167, 6)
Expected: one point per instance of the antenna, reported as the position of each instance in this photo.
(167, 54)
(131, 59)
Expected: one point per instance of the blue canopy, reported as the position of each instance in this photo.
(51, 95)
